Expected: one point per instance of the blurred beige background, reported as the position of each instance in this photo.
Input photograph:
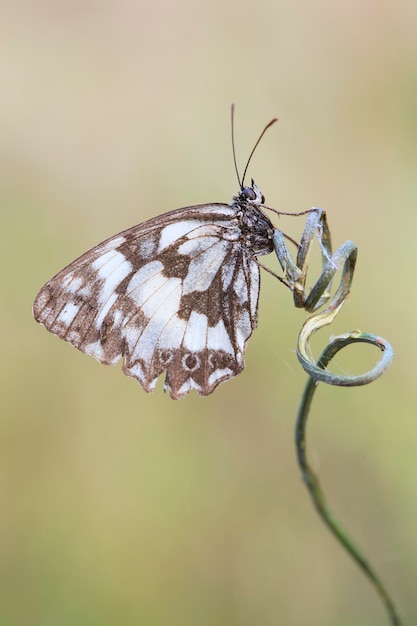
(119, 507)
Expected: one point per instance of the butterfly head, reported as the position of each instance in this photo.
(252, 194)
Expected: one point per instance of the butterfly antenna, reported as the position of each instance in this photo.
(233, 145)
(254, 147)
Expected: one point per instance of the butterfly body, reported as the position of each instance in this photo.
(178, 293)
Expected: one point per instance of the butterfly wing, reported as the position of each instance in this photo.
(178, 293)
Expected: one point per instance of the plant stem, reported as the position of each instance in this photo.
(311, 479)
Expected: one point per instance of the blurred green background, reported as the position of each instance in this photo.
(119, 507)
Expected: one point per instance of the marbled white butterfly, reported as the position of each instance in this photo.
(178, 293)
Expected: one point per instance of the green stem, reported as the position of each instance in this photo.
(311, 479)
(295, 277)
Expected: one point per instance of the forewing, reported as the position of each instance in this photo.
(177, 293)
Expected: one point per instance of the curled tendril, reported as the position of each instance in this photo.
(295, 275)
(345, 255)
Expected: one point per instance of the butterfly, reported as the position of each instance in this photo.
(177, 294)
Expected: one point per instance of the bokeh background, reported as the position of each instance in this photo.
(119, 507)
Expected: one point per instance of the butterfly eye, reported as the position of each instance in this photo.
(248, 193)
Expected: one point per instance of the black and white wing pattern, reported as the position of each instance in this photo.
(178, 293)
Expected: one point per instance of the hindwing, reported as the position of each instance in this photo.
(178, 293)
